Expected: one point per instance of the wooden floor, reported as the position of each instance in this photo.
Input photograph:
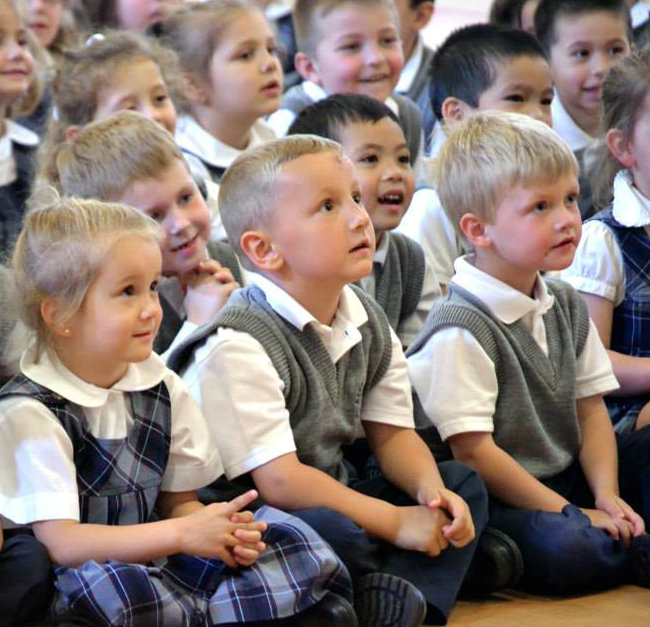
(627, 606)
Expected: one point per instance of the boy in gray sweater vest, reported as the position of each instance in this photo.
(301, 364)
(402, 281)
(511, 371)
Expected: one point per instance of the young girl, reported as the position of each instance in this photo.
(612, 263)
(228, 51)
(103, 448)
(19, 93)
(133, 15)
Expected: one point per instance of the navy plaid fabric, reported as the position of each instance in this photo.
(631, 319)
(119, 482)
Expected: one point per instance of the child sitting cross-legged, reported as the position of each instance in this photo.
(511, 372)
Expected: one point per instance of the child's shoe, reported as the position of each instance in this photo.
(383, 600)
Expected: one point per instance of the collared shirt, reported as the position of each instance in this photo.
(411, 67)
(411, 326)
(565, 126)
(233, 379)
(20, 135)
(456, 380)
(38, 478)
(597, 267)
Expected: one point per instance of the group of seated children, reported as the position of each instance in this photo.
(275, 464)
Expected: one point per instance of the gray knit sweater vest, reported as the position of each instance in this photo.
(324, 399)
(535, 419)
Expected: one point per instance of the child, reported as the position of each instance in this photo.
(130, 159)
(609, 266)
(584, 39)
(369, 132)
(318, 365)
(349, 46)
(19, 92)
(477, 68)
(414, 79)
(517, 13)
(97, 434)
(229, 54)
(133, 15)
(511, 372)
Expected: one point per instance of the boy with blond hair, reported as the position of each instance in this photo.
(349, 46)
(301, 364)
(511, 372)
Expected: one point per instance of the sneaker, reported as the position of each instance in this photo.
(640, 557)
(383, 600)
(497, 564)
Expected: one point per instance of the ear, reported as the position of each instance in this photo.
(473, 229)
(620, 148)
(71, 132)
(306, 67)
(195, 89)
(454, 110)
(51, 309)
(423, 14)
(261, 251)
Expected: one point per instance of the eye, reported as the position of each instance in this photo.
(572, 199)
(405, 159)
(388, 41)
(547, 101)
(617, 50)
(581, 53)
(351, 47)
(162, 99)
(154, 286)
(540, 207)
(326, 206)
(514, 98)
(369, 158)
(272, 49)
(356, 196)
(245, 55)
(185, 199)
(129, 290)
(158, 216)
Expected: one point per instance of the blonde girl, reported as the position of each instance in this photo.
(103, 449)
(20, 90)
(612, 263)
(228, 52)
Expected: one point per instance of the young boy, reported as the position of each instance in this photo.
(301, 364)
(511, 371)
(583, 39)
(478, 67)
(414, 79)
(349, 46)
(401, 281)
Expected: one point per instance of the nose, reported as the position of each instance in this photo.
(176, 221)
(601, 63)
(540, 112)
(270, 61)
(394, 172)
(373, 54)
(358, 217)
(151, 307)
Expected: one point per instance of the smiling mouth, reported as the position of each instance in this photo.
(391, 198)
(185, 245)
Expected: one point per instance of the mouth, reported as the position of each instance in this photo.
(363, 246)
(185, 245)
(375, 78)
(567, 241)
(145, 335)
(273, 87)
(392, 197)
(14, 73)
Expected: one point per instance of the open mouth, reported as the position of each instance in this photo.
(185, 245)
(375, 79)
(391, 198)
(364, 245)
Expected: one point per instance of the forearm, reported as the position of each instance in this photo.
(504, 477)
(632, 373)
(598, 453)
(288, 484)
(177, 504)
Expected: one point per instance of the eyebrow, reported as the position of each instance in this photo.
(372, 146)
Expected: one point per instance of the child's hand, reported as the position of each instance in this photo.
(210, 532)
(461, 530)
(420, 528)
(622, 514)
(207, 288)
(618, 528)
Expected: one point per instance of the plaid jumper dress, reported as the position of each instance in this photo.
(119, 482)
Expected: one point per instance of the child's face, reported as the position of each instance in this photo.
(175, 202)
(536, 227)
(411, 21)
(245, 78)
(138, 15)
(359, 52)
(639, 148)
(45, 19)
(320, 227)
(16, 62)
(139, 86)
(585, 47)
(522, 85)
(120, 314)
(382, 162)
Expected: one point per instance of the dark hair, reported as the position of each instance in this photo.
(327, 117)
(464, 65)
(549, 12)
(416, 3)
(506, 12)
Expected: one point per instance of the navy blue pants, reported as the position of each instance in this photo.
(26, 580)
(563, 553)
(438, 578)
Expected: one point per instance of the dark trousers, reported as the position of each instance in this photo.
(26, 580)
(438, 578)
(563, 553)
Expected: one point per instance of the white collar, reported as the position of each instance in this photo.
(51, 373)
(505, 302)
(640, 14)
(350, 310)
(191, 136)
(411, 67)
(630, 207)
(277, 9)
(317, 93)
(565, 126)
(19, 134)
(382, 249)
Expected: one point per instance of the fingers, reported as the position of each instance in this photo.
(245, 556)
(241, 501)
(242, 517)
(248, 536)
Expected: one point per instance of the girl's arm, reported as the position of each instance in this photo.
(633, 373)
(204, 531)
